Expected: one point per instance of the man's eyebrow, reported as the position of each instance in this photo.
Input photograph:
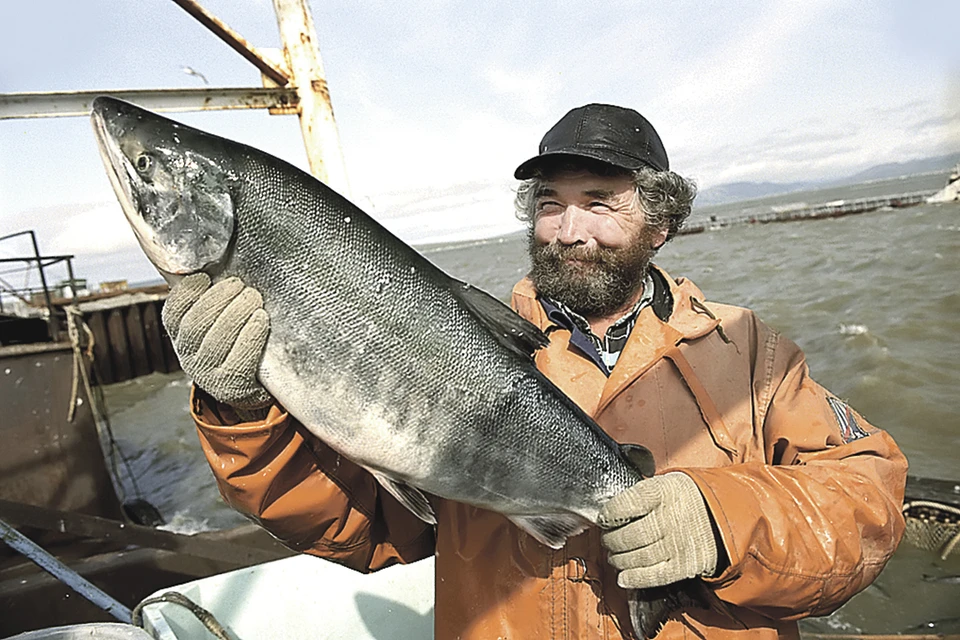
(602, 194)
(544, 191)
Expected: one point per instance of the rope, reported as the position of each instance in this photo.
(948, 548)
(954, 538)
(74, 317)
(74, 324)
(207, 619)
(932, 505)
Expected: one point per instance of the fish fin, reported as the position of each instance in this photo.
(551, 530)
(640, 458)
(651, 608)
(410, 497)
(515, 333)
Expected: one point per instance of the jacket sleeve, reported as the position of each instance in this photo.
(815, 522)
(305, 493)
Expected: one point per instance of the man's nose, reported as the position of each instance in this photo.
(573, 223)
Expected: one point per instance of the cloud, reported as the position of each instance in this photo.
(532, 91)
(480, 210)
(947, 120)
(729, 75)
(409, 155)
(96, 234)
(95, 229)
(79, 228)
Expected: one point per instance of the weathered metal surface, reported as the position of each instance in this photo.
(105, 302)
(235, 41)
(31, 349)
(129, 339)
(49, 563)
(169, 355)
(30, 599)
(36, 600)
(277, 56)
(125, 534)
(155, 335)
(119, 345)
(139, 356)
(47, 260)
(935, 489)
(45, 460)
(317, 124)
(102, 368)
(78, 103)
(18, 330)
(53, 326)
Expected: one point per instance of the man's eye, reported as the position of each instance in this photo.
(548, 205)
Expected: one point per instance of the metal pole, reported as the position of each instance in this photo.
(234, 40)
(73, 284)
(62, 572)
(320, 136)
(48, 104)
(52, 320)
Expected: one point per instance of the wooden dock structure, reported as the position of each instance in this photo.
(129, 340)
(835, 209)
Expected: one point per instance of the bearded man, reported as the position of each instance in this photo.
(773, 492)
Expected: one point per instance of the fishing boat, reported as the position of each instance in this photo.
(59, 494)
(951, 192)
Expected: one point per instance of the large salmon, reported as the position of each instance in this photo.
(424, 380)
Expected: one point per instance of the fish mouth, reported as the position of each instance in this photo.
(113, 158)
(123, 179)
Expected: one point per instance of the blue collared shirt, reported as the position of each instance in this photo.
(605, 351)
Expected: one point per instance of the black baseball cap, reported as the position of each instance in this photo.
(604, 132)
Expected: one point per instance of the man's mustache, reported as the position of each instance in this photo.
(580, 253)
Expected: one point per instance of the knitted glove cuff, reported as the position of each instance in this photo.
(691, 508)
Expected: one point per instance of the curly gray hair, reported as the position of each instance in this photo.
(665, 197)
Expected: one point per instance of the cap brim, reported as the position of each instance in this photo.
(529, 168)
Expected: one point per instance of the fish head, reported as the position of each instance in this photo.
(173, 183)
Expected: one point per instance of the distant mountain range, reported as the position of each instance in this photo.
(736, 191)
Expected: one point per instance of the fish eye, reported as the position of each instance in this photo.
(144, 163)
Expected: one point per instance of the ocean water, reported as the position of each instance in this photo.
(873, 299)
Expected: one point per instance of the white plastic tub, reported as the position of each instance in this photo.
(304, 598)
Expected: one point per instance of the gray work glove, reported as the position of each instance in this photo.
(659, 532)
(219, 334)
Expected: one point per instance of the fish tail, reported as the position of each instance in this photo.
(651, 608)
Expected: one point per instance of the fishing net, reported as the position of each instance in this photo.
(933, 526)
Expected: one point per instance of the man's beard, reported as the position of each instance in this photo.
(600, 282)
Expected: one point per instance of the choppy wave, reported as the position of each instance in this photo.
(853, 329)
(187, 524)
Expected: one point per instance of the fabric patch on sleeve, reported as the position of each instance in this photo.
(850, 429)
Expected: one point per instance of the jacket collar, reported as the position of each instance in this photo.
(678, 303)
(677, 314)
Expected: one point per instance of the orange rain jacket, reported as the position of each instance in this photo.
(808, 512)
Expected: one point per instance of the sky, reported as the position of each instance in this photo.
(437, 102)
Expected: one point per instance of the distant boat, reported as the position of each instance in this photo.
(951, 192)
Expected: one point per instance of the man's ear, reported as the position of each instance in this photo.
(660, 238)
